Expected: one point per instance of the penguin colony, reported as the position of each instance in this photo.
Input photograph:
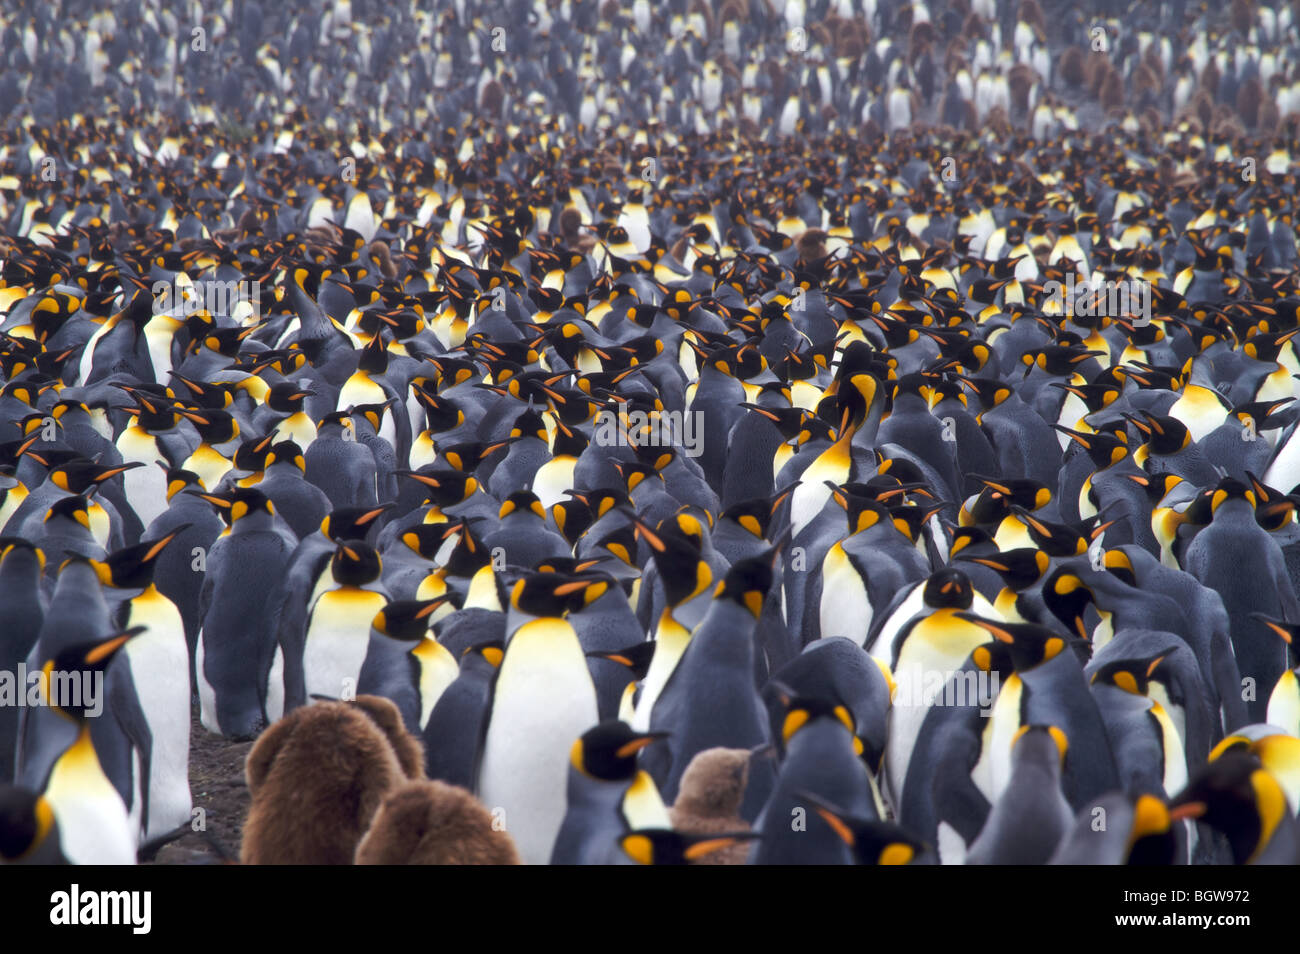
(607, 433)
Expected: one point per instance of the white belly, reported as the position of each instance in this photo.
(94, 826)
(159, 660)
(544, 701)
(671, 642)
(207, 695)
(1284, 705)
(931, 654)
(146, 491)
(553, 479)
(436, 674)
(846, 609)
(337, 636)
(993, 769)
(1286, 465)
(951, 847)
(275, 687)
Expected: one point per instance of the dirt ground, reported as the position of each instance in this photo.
(217, 785)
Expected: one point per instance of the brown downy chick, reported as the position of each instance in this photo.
(316, 778)
(408, 749)
(433, 823)
(709, 799)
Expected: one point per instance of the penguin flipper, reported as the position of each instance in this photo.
(958, 802)
(1286, 591)
(480, 744)
(131, 721)
(294, 619)
(205, 598)
(1227, 679)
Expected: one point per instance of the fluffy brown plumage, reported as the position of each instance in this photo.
(1243, 15)
(1020, 81)
(1250, 96)
(811, 244)
(708, 801)
(492, 99)
(433, 823)
(316, 778)
(408, 749)
(1112, 90)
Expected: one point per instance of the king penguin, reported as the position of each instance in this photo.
(607, 796)
(710, 700)
(544, 699)
(822, 758)
(457, 725)
(94, 827)
(22, 610)
(1031, 817)
(158, 663)
(339, 623)
(238, 663)
(404, 664)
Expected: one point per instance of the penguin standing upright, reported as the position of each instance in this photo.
(821, 758)
(338, 625)
(607, 796)
(77, 613)
(1148, 746)
(158, 663)
(939, 642)
(686, 579)
(94, 827)
(152, 441)
(304, 578)
(340, 464)
(861, 573)
(710, 700)
(457, 724)
(1032, 816)
(178, 570)
(940, 802)
(543, 700)
(405, 665)
(22, 610)
(1054, 691)
(1238, 559)
(239, 664)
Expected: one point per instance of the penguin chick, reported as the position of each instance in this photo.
(708, 801)
(433, 823)
(408, 749)
(316, 778)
